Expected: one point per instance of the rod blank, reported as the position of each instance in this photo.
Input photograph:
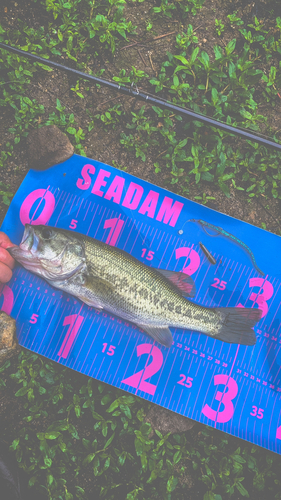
(134, 92)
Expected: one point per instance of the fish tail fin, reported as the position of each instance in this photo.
(237, 324)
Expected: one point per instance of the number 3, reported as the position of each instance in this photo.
(266, 292)
(225, 398)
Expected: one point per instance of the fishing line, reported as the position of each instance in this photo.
(133, 91)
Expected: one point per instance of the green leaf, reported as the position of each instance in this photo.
(242, 490)
(239, 459)
(113, 406)
(89, 458)
(22, 391)
(71, 130)
(139, 447)
(225, 189)
(109, 441)
(177, 456)
(176, 81)
(205, 59)
(48, 461)
(209, 496)
(194, 55)
(5, 365)
(182, 59)
(171, 484)
(97, 416)
(52, 435)
(218, 52)
(230, 46)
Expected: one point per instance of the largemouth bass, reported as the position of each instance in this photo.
(105, 277)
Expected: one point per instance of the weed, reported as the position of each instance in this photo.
(219, 27)
(234, 19)
(116, 436)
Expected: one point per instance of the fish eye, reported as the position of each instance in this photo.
(47, 233)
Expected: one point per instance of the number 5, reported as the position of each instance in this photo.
(34, 318)
(110, 351)
(73, 224)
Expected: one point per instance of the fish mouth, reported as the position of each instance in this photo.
(26, 251)
(28, 239)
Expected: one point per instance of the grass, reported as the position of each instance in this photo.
(115, 446)
(234, 81)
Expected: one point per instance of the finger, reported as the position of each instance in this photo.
(5, 273)
(5, 241)
(6, 258)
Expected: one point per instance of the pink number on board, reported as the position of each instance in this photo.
(278, 432)
(115, 228)
(225, 398)
(48, 207)
(74, 321)
(149, 255)
(110, 351)
(8, 299)
(138, 380)
(73, 224)
(194, 259)
(219, 284)
(186, 381)
(34, 318)
(257, 412)
(261, 298)
(266, 294)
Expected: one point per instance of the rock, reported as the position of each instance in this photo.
(167, 421)
(48, 146)
(8, 339)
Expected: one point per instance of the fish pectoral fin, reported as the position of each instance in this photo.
(161, 334)
(91, 302)
(98, 285)
(183, 282)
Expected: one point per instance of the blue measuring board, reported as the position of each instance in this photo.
(232, 387)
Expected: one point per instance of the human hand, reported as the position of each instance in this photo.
(6, 260)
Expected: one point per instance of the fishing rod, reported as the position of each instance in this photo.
(133, 91)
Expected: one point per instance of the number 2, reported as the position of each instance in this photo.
(138, 380)
(193, 256)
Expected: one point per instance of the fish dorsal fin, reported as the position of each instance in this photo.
(161, 334)
(183, 282)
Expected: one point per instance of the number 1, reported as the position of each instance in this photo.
(115, 229)
(74, 321)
